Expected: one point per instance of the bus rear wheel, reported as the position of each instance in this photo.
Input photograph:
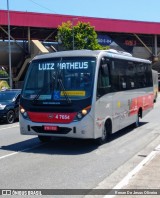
(139, 115)
(44, 138)
(155, 99)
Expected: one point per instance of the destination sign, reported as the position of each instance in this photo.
(63, 65)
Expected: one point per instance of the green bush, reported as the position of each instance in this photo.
(3, 84)
(3, 73)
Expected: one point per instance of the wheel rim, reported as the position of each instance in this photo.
(10, 117)
(104, 134)
(107, 127)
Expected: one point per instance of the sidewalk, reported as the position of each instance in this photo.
(143, 181)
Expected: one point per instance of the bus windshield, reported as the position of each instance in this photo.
(59, 79)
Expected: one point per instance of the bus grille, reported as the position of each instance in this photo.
(61, 130)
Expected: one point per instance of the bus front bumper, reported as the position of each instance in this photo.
(79, 129)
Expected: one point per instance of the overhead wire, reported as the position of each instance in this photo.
(43, 6)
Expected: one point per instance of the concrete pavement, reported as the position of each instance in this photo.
(143, 181)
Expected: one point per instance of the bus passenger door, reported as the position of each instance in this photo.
(116, 96)
(103, 109)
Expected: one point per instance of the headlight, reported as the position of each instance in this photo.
(2, 106)
(82, 113)
(24, 113)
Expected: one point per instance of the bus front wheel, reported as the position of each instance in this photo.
(106, 131)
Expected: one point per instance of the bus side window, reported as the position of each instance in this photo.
(114, 76)
(121, 64)
(141, 75)
(103, 85)
(105, 76)
(149, 76)
(123, 83)
(130, 73)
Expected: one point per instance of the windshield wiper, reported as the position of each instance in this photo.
(41, 91)
(38, 95)
(59, 79)
(64, 91)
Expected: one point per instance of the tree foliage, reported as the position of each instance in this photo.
(80, 36)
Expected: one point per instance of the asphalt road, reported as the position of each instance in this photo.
(25, 163)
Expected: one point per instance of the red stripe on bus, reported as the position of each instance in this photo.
(44, 117)
(144, 102)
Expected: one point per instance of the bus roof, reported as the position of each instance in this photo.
(111, 53)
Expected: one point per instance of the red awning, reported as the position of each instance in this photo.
(30, 19)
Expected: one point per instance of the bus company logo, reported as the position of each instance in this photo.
(6, 192)
(50, 116)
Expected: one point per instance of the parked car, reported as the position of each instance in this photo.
(9, 105)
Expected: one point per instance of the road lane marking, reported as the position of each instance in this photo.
(9, 127)
(8, 155)
(129, 176)
(27, 149)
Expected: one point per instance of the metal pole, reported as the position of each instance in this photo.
(73, 30)
(12, 38)
(29, 40)
(155, 46)
(73, 37)
(9, 47)
(143, 44)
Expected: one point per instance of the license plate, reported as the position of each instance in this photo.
(50, 128)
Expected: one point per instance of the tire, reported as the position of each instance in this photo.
(10, 117)
(44, 138)
(105, 133)
(155, 99)
(137, 123)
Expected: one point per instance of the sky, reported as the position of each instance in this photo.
(139, 10)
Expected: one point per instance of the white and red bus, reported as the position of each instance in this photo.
(84, 94)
